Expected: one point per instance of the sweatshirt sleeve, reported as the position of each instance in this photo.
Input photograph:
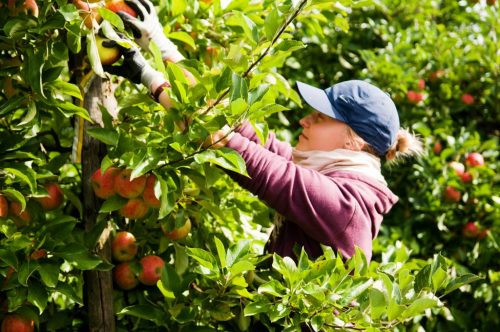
(272, 143)
(313, 201)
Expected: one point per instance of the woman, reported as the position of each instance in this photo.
(329, 189)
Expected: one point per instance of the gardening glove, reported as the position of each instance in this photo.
(147, 28)
(134, 66)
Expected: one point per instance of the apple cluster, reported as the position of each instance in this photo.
(474, 159)
(127, 273)
(91, 17)
(139, 191)
(22, 217)
(417, 94)
(473, 230)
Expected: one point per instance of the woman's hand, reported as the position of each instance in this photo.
(219, 139)
(134, 67)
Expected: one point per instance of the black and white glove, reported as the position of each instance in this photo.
(134, 67)
(146, 28)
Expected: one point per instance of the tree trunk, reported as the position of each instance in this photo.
(98, 289)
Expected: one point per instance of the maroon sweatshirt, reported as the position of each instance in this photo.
(339, 209)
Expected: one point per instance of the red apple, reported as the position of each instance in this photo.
(414, 97)
(468, 99)
(17, 323)
(482, 234)
(124, 277)
(135, 208)
(436, 75)
(466, 177)
(54, 199)
(20, 216)
(421, 84)
(8, 275)
(30, 6)
(124, 246)
(452, 194)
(104, 184)
(120, 6)
(178, 233)
(458, 167)
(149, 192)
(129, 188)
(38, 254)
(151, 267)
(437, 148)
(470, 230)
(474, 159)
(88, 12)
(4, 206)
(107, 55)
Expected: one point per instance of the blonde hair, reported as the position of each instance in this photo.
(407, 145)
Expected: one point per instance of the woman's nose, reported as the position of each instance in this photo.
(305, 121)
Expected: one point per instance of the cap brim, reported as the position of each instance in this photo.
(318, 99)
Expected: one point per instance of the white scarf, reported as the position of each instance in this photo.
(340, 160)
(337, 160)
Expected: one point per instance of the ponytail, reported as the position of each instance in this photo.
(407, 145)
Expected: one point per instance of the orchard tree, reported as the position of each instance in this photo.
(115, 216)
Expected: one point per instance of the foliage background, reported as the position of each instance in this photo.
(390, 43)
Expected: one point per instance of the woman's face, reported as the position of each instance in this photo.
(320, 132)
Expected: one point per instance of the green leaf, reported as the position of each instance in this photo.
(378, 303)
(240, 267)
(65, 88)
(460, 281)
(111, 17)
(183, 37)
(69, 109)
(239, 87)
(274, 288)
(178, 7)
(272, 24)
(73, 37)
(254, 308)
(147, 312)
(78, 255)
(9, 257)
(69, 291)
(49, 273)
(170, 280)
(34, 68)
(14, 195)
(93, 54)
(24, 174)
(419, 305)
(38, 296)
(423, 279)
(25, 271)
(286, 266)
(221, 252)
(237, 252)
(11, 104)
(30, 114)
(359, 287)
(203, 257)
(225, 158)
(113, 203)
(107, 136)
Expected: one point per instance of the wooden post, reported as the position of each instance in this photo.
(98, 287)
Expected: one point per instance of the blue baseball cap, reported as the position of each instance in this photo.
(369, 111)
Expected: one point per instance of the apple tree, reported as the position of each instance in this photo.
(115, 216)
